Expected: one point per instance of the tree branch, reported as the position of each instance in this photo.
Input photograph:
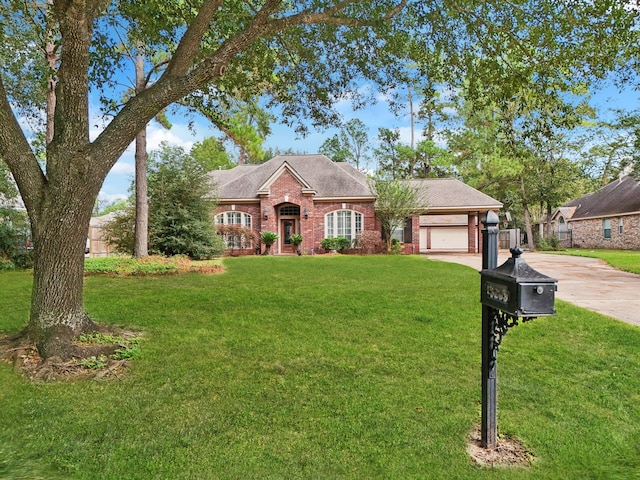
(181, 80)
(17, 154)
(330, 17)
(189, 45)
(261, 26)
(96, 7)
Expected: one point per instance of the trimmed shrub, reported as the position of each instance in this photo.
(339, 244)
(369, 242)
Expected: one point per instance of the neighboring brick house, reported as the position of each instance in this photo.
(318, 198)
(608, 218)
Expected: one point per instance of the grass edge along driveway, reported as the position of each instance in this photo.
(625, 260)
(322, 367)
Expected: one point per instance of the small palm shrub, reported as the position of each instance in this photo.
(296, 240)
(268, 238)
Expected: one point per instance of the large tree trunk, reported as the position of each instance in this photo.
(57, 309)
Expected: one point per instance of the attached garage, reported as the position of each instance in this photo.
(444, 233)
(445, 239)
(451, 218)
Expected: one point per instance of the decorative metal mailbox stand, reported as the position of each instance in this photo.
(508, 293)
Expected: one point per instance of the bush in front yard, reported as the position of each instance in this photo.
(339, 244)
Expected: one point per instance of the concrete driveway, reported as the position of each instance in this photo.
(586, 282)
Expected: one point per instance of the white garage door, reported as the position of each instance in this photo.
(446, 238)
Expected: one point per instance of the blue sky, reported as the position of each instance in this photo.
(374, 116)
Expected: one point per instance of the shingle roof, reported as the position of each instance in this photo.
(327, 178)
(340, 180)
(451, 193)
(619, 197)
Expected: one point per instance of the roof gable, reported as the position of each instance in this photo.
(265, 188)
(316, 173)
(319, 175)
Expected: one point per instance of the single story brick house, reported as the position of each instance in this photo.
(318, 198)
(608, 218)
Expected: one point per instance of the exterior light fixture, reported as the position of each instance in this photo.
(306, 213)
(266, 213)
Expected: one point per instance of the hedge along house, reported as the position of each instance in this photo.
(317, 198)
(608, 218)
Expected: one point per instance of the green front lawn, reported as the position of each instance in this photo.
(322, 368)
(626, 260)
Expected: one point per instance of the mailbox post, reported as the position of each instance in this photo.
(508, 293)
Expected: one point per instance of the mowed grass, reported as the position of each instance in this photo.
(322, 368)
(626, 260)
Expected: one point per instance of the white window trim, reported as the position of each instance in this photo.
(332, 221)
(606, 226)
(222, 218)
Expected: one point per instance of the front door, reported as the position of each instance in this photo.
(287, 228)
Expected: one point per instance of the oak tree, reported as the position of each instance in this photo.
(214, 48)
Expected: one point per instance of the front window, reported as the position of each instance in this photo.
(343, 223)
(606, 227)
(235, 228)
(562, 229)
(233, 218)
(620, 226)
(398, 233)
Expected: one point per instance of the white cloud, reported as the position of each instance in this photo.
(405, 135)
(111, 197)
(175, 136)
(123, 167)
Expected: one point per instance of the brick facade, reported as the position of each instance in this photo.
(589, 233)
(294, 194)
(286, 190)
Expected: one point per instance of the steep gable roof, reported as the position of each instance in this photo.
(564, 211)
(619, 197)
(315, 172)
(446, 194)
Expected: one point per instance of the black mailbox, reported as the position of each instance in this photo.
(517, 289)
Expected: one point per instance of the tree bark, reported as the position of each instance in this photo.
(141, 231)
(52, 60)
(59, 233)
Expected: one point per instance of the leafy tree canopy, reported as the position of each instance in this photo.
(8, 188)
(211, 155)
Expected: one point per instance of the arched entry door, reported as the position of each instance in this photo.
(289, 216)
(288, 228)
